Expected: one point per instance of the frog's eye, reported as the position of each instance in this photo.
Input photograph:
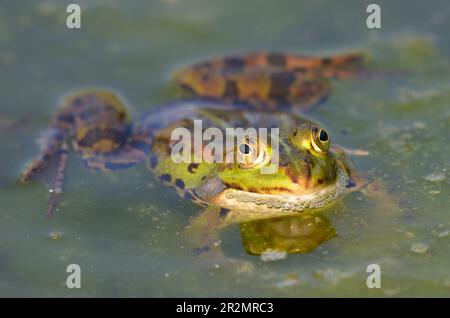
(250, 154)
(320, 140)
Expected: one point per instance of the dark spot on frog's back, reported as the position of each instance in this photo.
(327, 61)
(179, 184)
(203, 65)
(282, 78)
(90, 112)
(231, 89)
(192, 167)
(276, 59)
(141, 145)
(153, 161)
(78, 102)
(280, 83)
(234, 186)
(233, 63)
(96, 135)
(67, 118)
(165, 177)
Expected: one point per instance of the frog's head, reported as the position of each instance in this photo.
(305, 163)
(308, 173)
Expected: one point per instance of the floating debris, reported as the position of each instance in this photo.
(245, 268)
(55, 190)
(419, 125)
(289, 281)
(419, 248)
(273, 255)
(47, 9)
(56, 236)
(436, 177)
(443, 234)
(332, 275)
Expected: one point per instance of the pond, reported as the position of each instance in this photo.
(124, 229)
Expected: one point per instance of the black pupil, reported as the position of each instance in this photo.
(323, 136)
(245, 149)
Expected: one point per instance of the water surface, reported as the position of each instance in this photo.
(123, 228)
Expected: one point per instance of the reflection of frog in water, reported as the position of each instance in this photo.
(254, 90)
(295, 234)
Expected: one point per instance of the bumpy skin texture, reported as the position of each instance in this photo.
(241, 91)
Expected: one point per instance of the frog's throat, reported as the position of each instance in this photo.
(285, 203)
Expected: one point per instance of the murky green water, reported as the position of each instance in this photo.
(123, 228)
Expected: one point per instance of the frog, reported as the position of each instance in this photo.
(259, 90)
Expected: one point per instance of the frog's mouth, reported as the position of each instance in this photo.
(214, 192)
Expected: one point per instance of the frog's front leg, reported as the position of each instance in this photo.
(371, 187)
(202, 240)
(202, 234)
(386, 201)
(50, 165)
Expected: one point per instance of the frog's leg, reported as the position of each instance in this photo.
(275, 89)
(96, 123)
(49, 167)
(386, 202)
(371, 187)
(334, 66)
(202, 237)
(269, 80)
(202, 234)
(135, 150)
(259, 88)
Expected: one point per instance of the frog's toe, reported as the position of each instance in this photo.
(50, 166)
